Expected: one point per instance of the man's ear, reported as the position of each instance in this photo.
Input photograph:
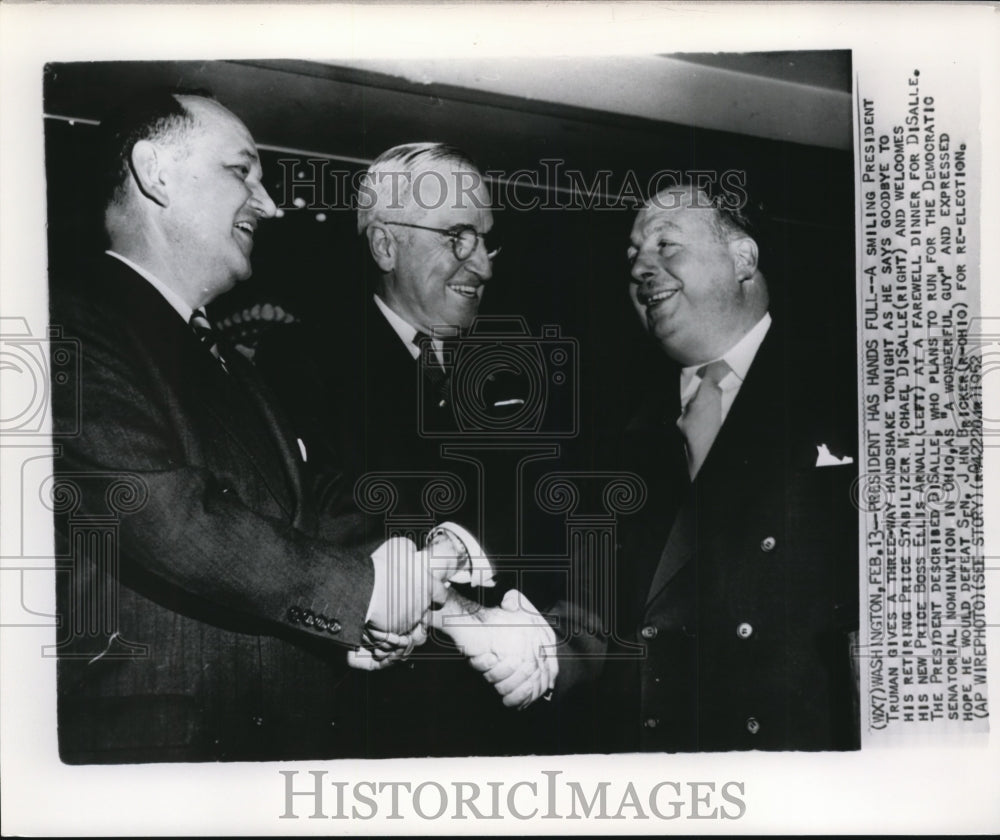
(744, 251)
(147, 168)
(382, 246)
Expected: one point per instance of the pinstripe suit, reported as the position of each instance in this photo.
(234, 598)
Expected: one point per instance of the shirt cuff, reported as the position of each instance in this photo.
(380, 560)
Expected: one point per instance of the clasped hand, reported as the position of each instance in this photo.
(512, 645)
(409, 585)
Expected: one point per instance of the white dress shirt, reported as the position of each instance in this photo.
(739, 358)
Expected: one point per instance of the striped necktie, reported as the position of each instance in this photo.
(205, 332)
(702, 417)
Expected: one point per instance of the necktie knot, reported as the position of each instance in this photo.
(205, 333)
(702, 417)
(436, 375)
(714, 372)
(202, 327)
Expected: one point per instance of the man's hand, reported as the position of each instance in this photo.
(406, 579)
(406, 588)
(511, 645)
(381, 649)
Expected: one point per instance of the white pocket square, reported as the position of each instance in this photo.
(825, 459)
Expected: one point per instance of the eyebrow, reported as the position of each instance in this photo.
(248, 154)
(465, 225)
(655, 226)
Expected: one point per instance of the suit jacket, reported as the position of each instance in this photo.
(742, 585)
(352, 394)
(206, 604)
(357, 400)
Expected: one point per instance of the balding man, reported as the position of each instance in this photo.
(740, 575)
(209, 604)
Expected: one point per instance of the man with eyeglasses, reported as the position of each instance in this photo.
(362, 403)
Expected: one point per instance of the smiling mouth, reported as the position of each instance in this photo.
(245, 227)
(654, 300)
(469, 292)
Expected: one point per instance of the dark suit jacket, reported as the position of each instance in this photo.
(356, 398)
(206, 605)
(352, 394)
(743, 585)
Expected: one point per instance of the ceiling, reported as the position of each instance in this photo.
(798, 97)
(801, 97)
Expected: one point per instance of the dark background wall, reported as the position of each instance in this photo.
(558, 267)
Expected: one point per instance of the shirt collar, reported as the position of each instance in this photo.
(739, 357)
(169, 295)
(404, 329)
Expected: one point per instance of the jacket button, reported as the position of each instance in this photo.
(321, 622)
(744, 630)
(767, 544)
(258, 720)
(294, 615)
(333, 626)
(649, 632)
(651, 723)
(753, 725)
(309, 618)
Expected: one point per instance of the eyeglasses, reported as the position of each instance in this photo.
(464, 239)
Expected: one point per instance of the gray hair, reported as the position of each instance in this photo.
(387, 186)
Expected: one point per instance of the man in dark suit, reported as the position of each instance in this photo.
(364, 395)
(739, 576)
(208, 603)
(373, 403)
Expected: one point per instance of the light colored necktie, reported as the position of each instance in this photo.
(702, 418)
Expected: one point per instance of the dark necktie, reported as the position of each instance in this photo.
(437, 377)
(702, 418)
(205, 332)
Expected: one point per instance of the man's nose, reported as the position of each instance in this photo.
(642, 269)
(261, 201)
(479, 261)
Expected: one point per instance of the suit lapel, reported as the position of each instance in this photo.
(264, 404)
(389, 357)
(756, 420)
(745, 436)
(678, 551)
(390, 379)
(194, 373)
(653, 438)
